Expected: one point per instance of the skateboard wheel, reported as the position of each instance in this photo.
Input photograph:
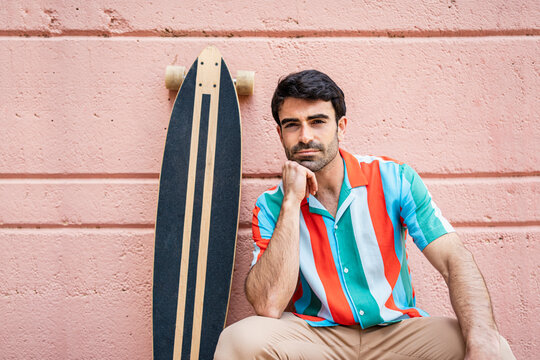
(245, 82)
(174, 76)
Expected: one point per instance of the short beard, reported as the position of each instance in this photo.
(316, 164)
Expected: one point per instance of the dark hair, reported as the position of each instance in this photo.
(309, 85)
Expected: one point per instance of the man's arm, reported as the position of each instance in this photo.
(468, 294)
(272, 280)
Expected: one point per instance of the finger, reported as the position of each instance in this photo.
(312, 182)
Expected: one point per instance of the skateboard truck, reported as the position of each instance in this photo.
(244, 82)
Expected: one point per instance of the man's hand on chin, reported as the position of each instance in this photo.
(298, 181)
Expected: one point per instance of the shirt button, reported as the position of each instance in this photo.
(361, 312)
(335, 227)
(345, 270)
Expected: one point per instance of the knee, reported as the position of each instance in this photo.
(241, 340)
(452, 334)
(450, 331)
(446, 337)
(449, 326)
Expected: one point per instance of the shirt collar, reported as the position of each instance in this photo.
(353, 171)
(353, 177)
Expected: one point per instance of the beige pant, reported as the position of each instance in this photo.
(290, 337)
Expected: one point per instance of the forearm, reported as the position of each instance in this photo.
(470, 300)
(272, 280)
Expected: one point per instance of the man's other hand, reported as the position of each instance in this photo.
(485, 346)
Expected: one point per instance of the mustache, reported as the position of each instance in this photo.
(310, 145)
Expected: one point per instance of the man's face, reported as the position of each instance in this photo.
(309, 133)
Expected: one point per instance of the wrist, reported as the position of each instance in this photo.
(482, 338)
(291, 201)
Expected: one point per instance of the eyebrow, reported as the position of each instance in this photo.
(318, 116)
(310, 117)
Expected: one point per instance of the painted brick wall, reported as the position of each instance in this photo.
(450, 87)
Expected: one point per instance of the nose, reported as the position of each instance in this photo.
(306, 134)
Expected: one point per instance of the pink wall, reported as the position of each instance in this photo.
(451, 87)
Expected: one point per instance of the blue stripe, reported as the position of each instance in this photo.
(399, 294)
(391, 189)
(265, 219)
(421, 312)
(409, 210)
(301, 304)
(321, 323)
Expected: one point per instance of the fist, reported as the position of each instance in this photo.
(298, 181)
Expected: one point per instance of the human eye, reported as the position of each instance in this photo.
(290, 125)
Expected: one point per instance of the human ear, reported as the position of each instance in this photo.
(278, 128)
(342, 125)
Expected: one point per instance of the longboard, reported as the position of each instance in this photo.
(197, 216)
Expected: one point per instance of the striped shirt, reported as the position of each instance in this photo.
(353, 268)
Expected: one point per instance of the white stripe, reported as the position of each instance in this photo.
(344, 206)
(438, 214)
(256, 252)
(370, 254)
(307, 265)
(368, 159)
(315, 203)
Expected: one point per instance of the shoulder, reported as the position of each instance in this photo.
(270, 200)
(384, 166)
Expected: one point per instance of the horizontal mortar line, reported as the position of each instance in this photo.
(88, 226)
(93, 178)
(531, 228)
(101, 231)
(308, 33)
(479, 175)
(275, 176)
(246, 226)
(79, 181)
(153, 178)
(473, 176)
(494, 224)
(79, 176)
(463, 224)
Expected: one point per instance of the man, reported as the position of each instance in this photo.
(330, 240)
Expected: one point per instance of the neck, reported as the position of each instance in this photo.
(330, 178)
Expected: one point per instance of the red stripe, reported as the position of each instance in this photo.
(386, 158)
(310, 318)
(298, 292)
(411, 312)
(256, 231)
(402, 220)
(384, 229)
(326, 269)
(262, 244)
(354, 171)
(255, 224)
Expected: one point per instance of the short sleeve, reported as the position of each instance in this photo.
(262, 226)
(421, 216)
